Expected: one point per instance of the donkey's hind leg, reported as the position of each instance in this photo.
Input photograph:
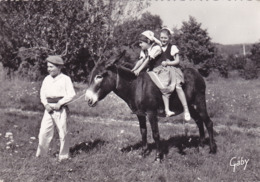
(201, 109)
(200, 125)
(209, 126)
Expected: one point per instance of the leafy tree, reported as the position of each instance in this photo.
(255, 54)
(128, 32)
(81, 31)
(250, 70)
(236, 62)
(194, 43)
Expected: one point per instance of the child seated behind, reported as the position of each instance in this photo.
(171, 62)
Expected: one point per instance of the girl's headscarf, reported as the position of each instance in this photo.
(169, 30)
(150, 35)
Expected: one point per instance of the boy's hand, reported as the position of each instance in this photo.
(57, 107)
(48, 108)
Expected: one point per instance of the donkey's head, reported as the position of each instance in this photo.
(102, 80)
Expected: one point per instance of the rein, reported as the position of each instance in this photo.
(75, 99)
(117, 78)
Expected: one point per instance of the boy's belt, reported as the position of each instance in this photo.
(54, 100)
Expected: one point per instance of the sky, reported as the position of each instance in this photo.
(226, 21)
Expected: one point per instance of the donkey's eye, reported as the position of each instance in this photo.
(99, 77)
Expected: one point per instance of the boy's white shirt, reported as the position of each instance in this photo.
(60, 86)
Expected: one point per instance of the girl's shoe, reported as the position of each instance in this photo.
(169, 113)
(187, 116)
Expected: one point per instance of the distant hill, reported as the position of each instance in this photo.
(233, 49)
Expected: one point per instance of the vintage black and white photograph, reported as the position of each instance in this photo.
(129, 91)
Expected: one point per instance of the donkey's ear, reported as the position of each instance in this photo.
(119, 57)
(115, 59)
(110, 66)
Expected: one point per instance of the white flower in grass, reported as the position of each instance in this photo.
(9, 143)
(8, 134)
(7, 147)
(0, 135)
(15, 126)
(16, 151)
(32, 138)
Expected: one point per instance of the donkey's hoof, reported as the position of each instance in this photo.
(158, 158)
(142, 154)
(201, 144)
(213, 149)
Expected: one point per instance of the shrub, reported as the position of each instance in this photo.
(250, 70)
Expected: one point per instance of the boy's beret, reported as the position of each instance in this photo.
(55, 60)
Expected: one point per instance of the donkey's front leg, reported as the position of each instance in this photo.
(143, 130)
(152, 116)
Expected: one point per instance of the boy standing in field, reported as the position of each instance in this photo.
(56, 91)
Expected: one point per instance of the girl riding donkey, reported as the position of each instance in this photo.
(162, 60)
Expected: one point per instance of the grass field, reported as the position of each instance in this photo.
(105, 139)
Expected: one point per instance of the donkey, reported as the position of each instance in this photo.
(145, 99)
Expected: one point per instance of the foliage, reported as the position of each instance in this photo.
(236, 62)
(32, 65)
(251, 63)
(86, 31)
(250, 70)
(194, 42)
(216, 63)
(246, 65)
(80, 31)
(255, 53)
(128, 32)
